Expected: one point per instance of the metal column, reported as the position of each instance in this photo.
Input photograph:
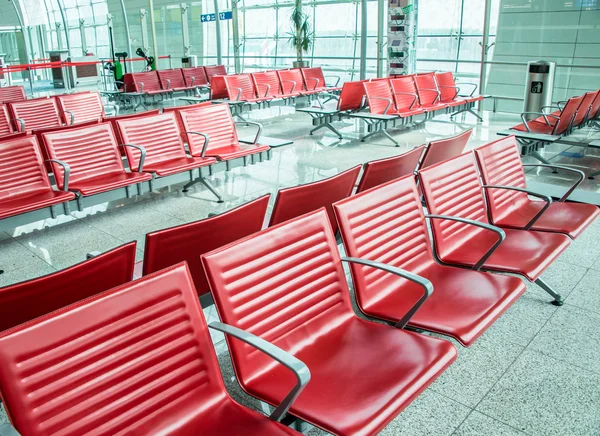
(126, 22)
(144, 23)
(64, 20)
(236, 35)
(84, 47)
(185, 31)
(153, 30)
(218, 28)
(484, 49)
(381, 27)
(363, 39)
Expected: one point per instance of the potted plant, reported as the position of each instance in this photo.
(301, 35)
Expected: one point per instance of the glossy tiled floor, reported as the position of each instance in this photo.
(535, 372)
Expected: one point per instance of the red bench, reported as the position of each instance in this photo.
(450, 94)
(173, 80)
(113, 122)
(405, 96)
(10, 94)
(386, 224)
(444, 149)
(240, 88)
(37, 113)
(286, 285)
(267, 84)
(195, 76)
(292, 81)
(315, 80)
(551, 124)
(378, 172)
(214, 70)
(81, 107)
(134, 360)
(429, 94)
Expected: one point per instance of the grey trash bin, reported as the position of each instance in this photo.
(539, 86)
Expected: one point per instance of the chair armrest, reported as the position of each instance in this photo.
(268, 90)
(168, 83)
(439, 94)
(561, 104)
(206, 140)
(337, 80)
(254, 123)
(240, 92)
(293, 84)
(8, 430)
(474, 85)
(491, 228)
(543, 114)
(560, 167)
(141, 87)
(421, 281)
(67, 169)
(414, 96)
(551, 107)
(456, 90)
(534, 194)
(389, 102)
(115, 108)
(93, 254)
(119, 82)
(142, 157)
(316, 84)
(71, 116)
(295, 365)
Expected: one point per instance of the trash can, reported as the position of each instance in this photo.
(189, 61)
(539, 86)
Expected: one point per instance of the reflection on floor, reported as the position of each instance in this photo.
(535, 372)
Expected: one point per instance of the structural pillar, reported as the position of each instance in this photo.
(236, 36)
(218, 33)
(402, 37)
(153, 30)
(363, 40)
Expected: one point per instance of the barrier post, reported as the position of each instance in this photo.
(30, 74)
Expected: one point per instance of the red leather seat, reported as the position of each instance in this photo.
(195, 76)
(176, 109)
(378, 172)
(93, 156)
(82, 106)
(267, 84)
(450, 91)
(292, 81)
(113, 122)
(135, 360)
(429, 94)
(24, 183)
(405, 95)
(22, 302)
(216, 122)
(500, 164)
(144, 83)
(444, 149)
(165, 151)
(218, 88)
(188, 242)
(594, 112)
(37, 113)
(584, 108)
(214, 70)
(351, 97)
(315, 80)
(381, 100)
(240, 87)
(452, 188)
(386, 224)
(559, 126)
(298, 200)
(286, 285)
(173, 80)
(6, 126)
(9, 94)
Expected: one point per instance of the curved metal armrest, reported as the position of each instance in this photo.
(456, 90)
(21, 124)
(71, 115)
(474, 85)
(439, 94)
(560, 167)
(141, 87)
(8, 430)
(67, 170)
(292, 82)
(414, 96)
(119, 82)
(268, 89)
(561, 104)
(240, 91)
(316, 84)
(545, 115)
(254, 123)
(337, 81)
(491, 228)
(142, 151)
(421, 281)
(292, 363)
(193, 80)
(551, 107)
(389, 102)
(206, 139)
(546, 198)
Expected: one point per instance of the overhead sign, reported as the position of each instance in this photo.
(204, 18)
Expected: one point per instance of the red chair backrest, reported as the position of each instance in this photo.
(385, 224)
(298, 200)
(352, 96)
(500, 164)
(85, 106)
(444, 149)
(567, 115)
(240, 87)
(194, 76)
(378, 172)
(426, 89)
(170, 79)
(135, 360)
(23, 169)
(135, 80)
(452, 188)
(113, 121)
(90, 151)
(176, 110)
(447, 86)
(214, 70)
(6, 127)
(264, 78)
(188, 242)
(584, 108)
(218, 88)
(28, 300)
(37, 113)
(284, 284)
(291, 79)
(158, 134)
(595, 107)
(215, 121)
(379, 97)
(405, 93)
(313, 78)
(9, 94)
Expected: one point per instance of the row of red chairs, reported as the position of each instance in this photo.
(9, 94)
(87, 159)
(135, 356)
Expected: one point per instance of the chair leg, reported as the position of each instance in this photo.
(327, 126)
(211, 188)
(558, 300)
(593, 175)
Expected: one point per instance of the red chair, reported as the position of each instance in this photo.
(378, 172)
(509, 205)
(10, 94)
(176, 110)
(241, 88)
(211, 132)
(386, 224)
(218, 88)
(584, 108)
(550, 124)
(135, 360)
(37, 113)
(195, 77)
(292, 81)
(462, 233)
(24, 182)
(267, 85)
(6, 126)
(113, 121)
(146, 83)
(450, 94)
(286, 284)
(173, 80)
(87, 160)
(214, 70)
(188, 242)
(23, 302)
(429, 94)
(444, 149)
(298, 200)
(81, 107)
(315, 80)
(405, 95)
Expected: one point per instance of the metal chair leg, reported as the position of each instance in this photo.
(558, 300)
(327, 126)
(211, 188)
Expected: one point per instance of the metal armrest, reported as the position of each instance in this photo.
(414, 96)
(141, 87)
(545, 115)
(316, 84)
(497, 230)
(436, 90)
(421, 281)
(254, 123)
(142, 151)
(21, 123)
(240, 92)
(389, 102)
(474, 85)
(193, 80)
(292, 363)
(115, 108)
(71, 115)
(337, 81)
(560, 167)
(268, 89)
(456, 88)
(67, 170)
(119, 82)
(293, 84)
(561, 103)
(206, 139)
(8, 430)
(534, 194)
(551, 107)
